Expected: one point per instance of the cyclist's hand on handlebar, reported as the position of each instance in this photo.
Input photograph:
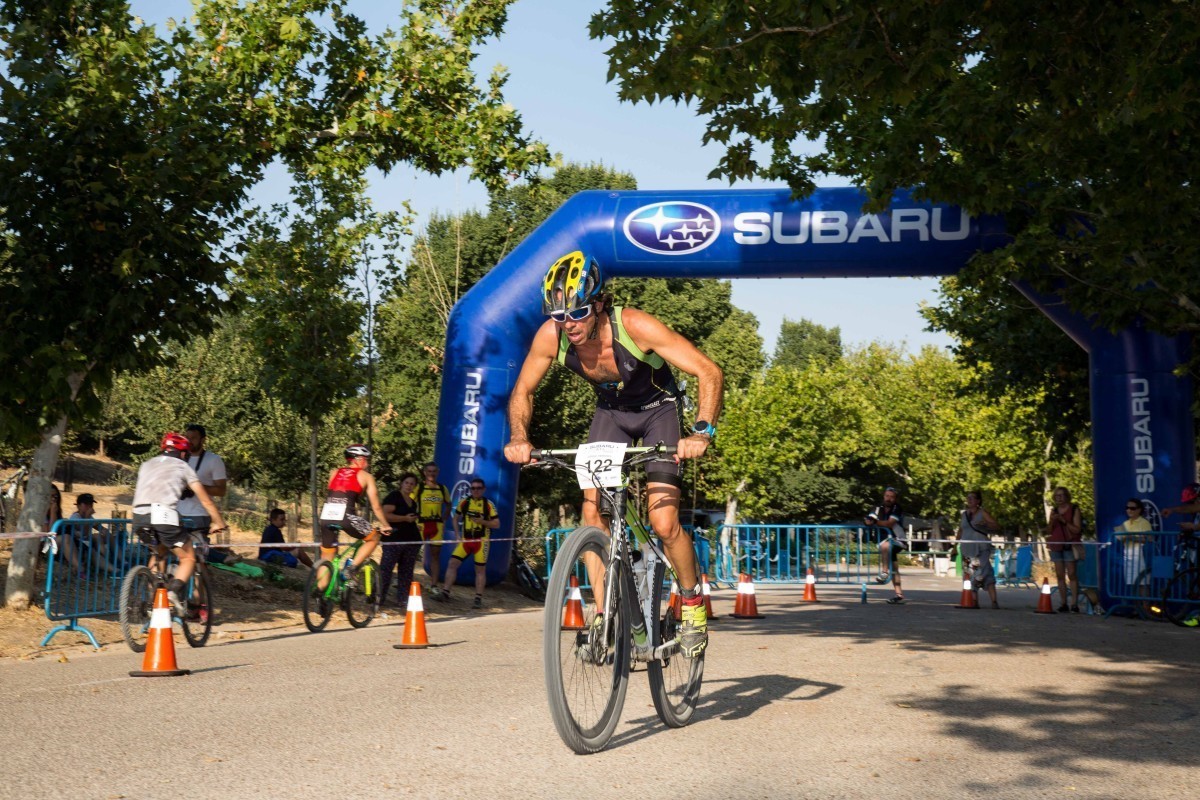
(518, 451)
(692, 446)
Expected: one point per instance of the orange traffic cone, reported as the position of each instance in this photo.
(414, 637)
(708, 609)
(810, 587)
(573, 613)
(675, 601)
(1044, 604)
(745, 607)
(159, 661)
(969, 600)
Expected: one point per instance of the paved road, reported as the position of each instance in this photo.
(833, 700)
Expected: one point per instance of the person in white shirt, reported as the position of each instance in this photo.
(210, 469)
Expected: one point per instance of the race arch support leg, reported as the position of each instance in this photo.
(1143, 432)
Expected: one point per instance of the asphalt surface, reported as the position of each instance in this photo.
(832, 700)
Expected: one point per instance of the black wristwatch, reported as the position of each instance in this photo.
(705, 428)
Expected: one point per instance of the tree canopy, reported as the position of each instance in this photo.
(1079, 122)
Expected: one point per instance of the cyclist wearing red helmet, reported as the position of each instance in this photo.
(627, 356)
(340, 512)
(161, 482)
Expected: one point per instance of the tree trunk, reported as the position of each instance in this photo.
(312, 480)
(18, 592)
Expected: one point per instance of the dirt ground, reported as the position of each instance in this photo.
(246, 608)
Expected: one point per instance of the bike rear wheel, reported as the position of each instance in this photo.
(675, 680)
(198, 621)
(587, 673)
(358, 601)
(137, 603)
(317, 607)
(1181, 600)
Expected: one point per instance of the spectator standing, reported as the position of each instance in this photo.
(210, 469)
(1065, 527)
(886, 517)
(475, 518)
(402, 543)
(433, 511)
(975, 531)
(1189, 504)
(273, 534)
(1131, 543)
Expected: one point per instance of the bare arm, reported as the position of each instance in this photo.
(202, 495)
(520, 404)
(218, 488)
(368, 480)
(650, 334)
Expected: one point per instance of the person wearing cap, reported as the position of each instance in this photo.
(886, 517)
(75, 544)
(1189, 503)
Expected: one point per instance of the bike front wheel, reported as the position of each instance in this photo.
(137, 603)
(675, 680)
(587, 664)
(198, 620)
(1181, 600)
(318, 608)
(358, 600)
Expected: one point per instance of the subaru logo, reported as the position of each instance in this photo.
(673, 228)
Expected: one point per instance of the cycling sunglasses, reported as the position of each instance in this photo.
(575, 315)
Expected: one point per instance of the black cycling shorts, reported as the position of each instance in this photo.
(171, 536)
(659, 424)
(354, 526)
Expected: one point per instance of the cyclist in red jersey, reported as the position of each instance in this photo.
(346, 486)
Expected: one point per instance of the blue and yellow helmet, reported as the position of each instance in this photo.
(573, 281)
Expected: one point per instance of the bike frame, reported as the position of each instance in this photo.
(334, 590)
(625, 522)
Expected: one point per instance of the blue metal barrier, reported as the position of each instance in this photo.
(1138, 568)
(775, 553)
(85, 570)
(700, 543)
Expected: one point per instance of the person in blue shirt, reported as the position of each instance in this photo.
(273, 534)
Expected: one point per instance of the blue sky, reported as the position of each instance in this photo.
(557, 82)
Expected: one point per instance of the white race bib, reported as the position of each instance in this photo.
(163, 515)
(334, 510)
(600, 462)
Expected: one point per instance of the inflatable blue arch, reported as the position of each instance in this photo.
(1141, 411)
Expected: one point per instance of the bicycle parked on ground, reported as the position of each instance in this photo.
(355, 596)
(142, 583)
(1181, 598)
(587, 670)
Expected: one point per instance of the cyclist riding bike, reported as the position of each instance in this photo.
(161, 482)
(340, 512)
(626, 355)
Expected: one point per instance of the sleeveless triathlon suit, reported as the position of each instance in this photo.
(641, 407)
(341, 507)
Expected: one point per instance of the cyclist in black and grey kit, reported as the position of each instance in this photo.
(626, 355)
(161, 482)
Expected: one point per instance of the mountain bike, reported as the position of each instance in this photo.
(587, 666)
(1181, 598)
(356, 597)
(137, 599)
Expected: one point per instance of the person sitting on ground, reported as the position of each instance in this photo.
(340, 512)
(886, 517)
(161, 482)
(78, 539)
(975, 531)
(474, 518)
(273, 534)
